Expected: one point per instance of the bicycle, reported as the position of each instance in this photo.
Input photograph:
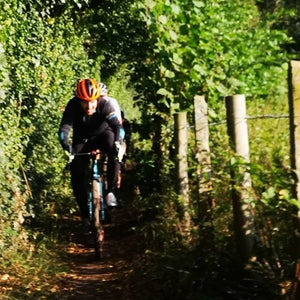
(98, 212)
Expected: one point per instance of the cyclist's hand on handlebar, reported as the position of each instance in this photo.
(70, 156)
(69, 162)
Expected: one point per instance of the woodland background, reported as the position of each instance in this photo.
(155, 56)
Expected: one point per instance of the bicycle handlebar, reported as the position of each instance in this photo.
(72, 156)
(94, 152)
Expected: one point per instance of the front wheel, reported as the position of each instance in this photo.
(97, 230)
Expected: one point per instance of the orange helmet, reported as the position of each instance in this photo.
(88, 89)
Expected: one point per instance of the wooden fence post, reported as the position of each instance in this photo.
(294, 107)
(203, 159)
(181, 141)
(243, 216)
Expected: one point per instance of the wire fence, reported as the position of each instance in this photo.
(221, 122)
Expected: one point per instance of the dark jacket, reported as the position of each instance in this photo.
(85, 127)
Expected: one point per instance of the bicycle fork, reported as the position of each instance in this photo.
(99, 179)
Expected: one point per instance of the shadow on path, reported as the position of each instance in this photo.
(108, 278)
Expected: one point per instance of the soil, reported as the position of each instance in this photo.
(111, 277)
(107, 278)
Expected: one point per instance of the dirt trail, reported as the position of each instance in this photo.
(109, 278)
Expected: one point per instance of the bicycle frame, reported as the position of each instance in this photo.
(98, 176)
(97, 206)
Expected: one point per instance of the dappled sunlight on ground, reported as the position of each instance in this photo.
(108, 278)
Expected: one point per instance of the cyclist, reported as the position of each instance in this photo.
(95, 123)
(120, 116)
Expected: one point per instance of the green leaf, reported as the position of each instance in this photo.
(175, 9)
(163, 19)
(199, 69)
(169, 74)
(233, 161)
(150, 3)
(173, 35)
(236, 83)
(212, 114)
(163, 92)
(194, 75)
(198, 3)
(284, 194)
(175, 106)
(269, 193)
(221, 88)
(294, 202)
(164, 101)
(177, 59)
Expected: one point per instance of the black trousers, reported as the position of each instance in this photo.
(80, 167)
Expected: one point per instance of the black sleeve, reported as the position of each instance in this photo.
(65, 128)
(115, 124)
(110, 111)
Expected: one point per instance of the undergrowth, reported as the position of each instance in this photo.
(33, 262)
(208, 268)
(203, 273)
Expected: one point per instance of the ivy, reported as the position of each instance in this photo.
(41, 58)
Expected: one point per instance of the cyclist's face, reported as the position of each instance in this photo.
(89, 107)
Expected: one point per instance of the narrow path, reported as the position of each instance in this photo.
(108, 278)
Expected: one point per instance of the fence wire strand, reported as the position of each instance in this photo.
(246, 117)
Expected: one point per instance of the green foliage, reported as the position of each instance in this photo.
(41, 59)
(210, 48)
(46, 59)
(288, 19)
(120, 88)
(116, 31)
(154, 56)
(214, 48)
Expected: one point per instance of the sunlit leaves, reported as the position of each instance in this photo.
(163, 19)
(198, 3)
(215, 47)
(173, 35)
(41, 61)
(163, 92)
(150, 3)
(175, 9)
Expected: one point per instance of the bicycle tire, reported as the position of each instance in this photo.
(97, 227)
